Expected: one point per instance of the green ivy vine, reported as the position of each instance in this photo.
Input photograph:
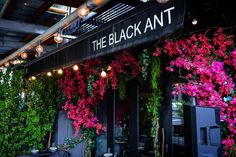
(153, 104)
(28, 111)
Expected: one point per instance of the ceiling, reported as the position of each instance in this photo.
(23, 20)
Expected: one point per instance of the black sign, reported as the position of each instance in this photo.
(144, 24)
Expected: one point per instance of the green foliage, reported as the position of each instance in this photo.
(42, 99)
(10, 120)
(122, 89)
(25, 121)
(153, 103)
(155, 73)
(144, 61)
(90, 84)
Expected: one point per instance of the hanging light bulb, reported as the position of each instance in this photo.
(23, 55)
(7, 64)
(109, 68)
(163, 1)
(83, 11)
(75, 67)
(33, 78)
(49, 74)
(60, 71)
(39, 48)
(17, 61)
(103, 73)
(58, 38)
(194, 21)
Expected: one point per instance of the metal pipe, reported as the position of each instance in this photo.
(61, 24)
(4, 8)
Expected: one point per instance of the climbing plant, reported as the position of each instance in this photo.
(208, 64)
(28, 111)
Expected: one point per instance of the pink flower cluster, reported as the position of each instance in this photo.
(209, 65)
(80, 105)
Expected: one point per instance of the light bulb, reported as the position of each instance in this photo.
(194, 21)
(109, 68)
(162, 1)
(58, 38)
(75, 67)
(39, 49)
(83, 12)
(49, 74)
(60, 71)
(103, 74)
(33, 78)
(7, 64)
(1, 67)
(23, 55)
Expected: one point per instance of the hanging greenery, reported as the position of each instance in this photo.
(43, 96)
(122, 89)
(27, 112)
(153, 103)
(144, 61)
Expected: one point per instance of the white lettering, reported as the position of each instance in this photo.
(111, 39)
(169, 14)
(127, 32)
(136, 28)
(122, 35)
(94, 45)
(156, 19)
(104, 42)
(148, 25)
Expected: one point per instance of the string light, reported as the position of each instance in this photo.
(60, 71)
(58, 38)
(7, 64)
(49, 74)
(33, 78)
(75, 67)
(39, 49)
(162, 1)
(23, 55)
(109, 68)
(1, 67)
(103, 73)
(83, 12)
(194, 21)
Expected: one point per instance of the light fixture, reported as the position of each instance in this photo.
(33, 78)
(49, 74)
(75, 67)
(39, 48)
(60, 71)
(58, 37)
(17, 61)
(103, 73)
(163, 1)
(1, 67)
(109, 68)
(23, 55)
(7, 64)
(194, 21)
(83, 11)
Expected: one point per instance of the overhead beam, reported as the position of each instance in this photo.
(6, 11)
(15, 44)
(44, 7)
(61, 24)
(70, 3)
(6, 4)
(21, 27)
